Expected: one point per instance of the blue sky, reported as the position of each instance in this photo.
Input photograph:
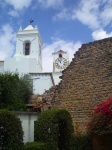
(63, 24)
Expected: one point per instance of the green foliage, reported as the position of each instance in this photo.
(39, 146)
(13, 135)
(25, 87)
(55, 126)
(14, 91)
(82, 142)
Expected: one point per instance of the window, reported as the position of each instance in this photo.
(27, 48)
(60, 55)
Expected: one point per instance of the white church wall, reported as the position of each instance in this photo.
(9, 65)
(13, 65)
(22, 66)
(41, 82)
(19, 47)
(34, 47)
(35, 52)
(27, 120)
(56, 76)
(34, 66)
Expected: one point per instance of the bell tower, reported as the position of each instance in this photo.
(28, 47)
(27, 58)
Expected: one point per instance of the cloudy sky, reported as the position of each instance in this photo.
(63, 24)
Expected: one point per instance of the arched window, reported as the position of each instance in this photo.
(60, 55)
(27, 48)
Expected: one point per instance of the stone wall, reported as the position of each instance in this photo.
(86, 82)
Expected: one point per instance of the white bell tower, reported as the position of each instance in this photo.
(27, 58)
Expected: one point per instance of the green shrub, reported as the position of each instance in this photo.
(39, 146)
(82, 142)
(55, 126)
(11, 134)
(14, 91)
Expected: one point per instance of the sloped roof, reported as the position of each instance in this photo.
(60, 51)
(30, 27)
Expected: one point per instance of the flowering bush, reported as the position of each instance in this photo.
(101, 122)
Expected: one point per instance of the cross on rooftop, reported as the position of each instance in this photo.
(31, 21)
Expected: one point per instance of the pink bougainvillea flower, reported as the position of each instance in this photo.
(102, 118)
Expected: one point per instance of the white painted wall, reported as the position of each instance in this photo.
(56, 76)
(22, 66)
(27, 119)
(41, 82)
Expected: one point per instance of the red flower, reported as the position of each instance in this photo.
(102, 118)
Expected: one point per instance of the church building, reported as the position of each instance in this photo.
(28, 60)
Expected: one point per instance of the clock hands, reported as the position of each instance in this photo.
(61, 63)
(59, 60)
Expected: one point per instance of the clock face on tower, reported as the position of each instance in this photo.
(60, 63)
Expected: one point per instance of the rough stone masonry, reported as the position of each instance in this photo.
(86, 82)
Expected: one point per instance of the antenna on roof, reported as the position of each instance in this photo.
(31, 21)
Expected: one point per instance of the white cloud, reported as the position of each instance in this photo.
(19, 4)
(106, 14)
(64, 14)
(100, 34)
(51, 3)
(13, 13)
(48, 49)
(87, 13)
(7, 41)
(95, 14)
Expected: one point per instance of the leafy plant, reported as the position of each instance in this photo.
(82, 142)
(55, 126)
(11, 134)
(14, 91)
(39, 146)
(101, 122)
(25, 87)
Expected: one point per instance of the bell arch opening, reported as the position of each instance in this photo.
(27, 48)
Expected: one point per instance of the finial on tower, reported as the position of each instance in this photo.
(31, 21)
(20, 29)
